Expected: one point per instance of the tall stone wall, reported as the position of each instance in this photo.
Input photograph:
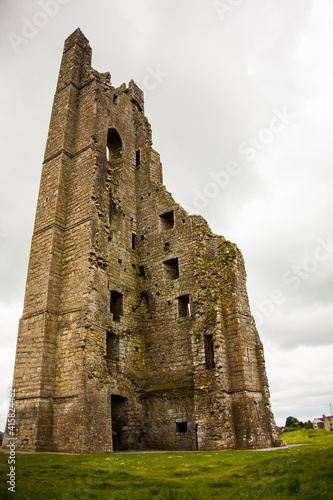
(136, 331)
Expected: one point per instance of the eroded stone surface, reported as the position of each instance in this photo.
(136, 331)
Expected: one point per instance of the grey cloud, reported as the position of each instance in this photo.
(224, 80)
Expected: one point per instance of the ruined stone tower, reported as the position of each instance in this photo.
(136, 331)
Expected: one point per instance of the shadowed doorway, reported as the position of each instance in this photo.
(119, 422)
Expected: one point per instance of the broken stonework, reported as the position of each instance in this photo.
(136, 331)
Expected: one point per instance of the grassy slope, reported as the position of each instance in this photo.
(301, 472)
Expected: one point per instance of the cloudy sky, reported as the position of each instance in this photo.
(239, 96)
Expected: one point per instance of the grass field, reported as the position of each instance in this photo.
(303, 472)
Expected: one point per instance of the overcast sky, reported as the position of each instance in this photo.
(240, 98)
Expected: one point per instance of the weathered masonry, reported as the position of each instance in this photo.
(136, 331)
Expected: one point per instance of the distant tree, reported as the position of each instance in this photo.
(292, 422)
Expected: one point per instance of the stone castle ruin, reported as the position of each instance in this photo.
(136, 331)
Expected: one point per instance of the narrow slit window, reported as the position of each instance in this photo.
(115, 99)
(137, 158)
(167, 221)
(112, 209)
(184, 306)
(209, 352)
(181, 427)
(171, 269)
(133, 241)
(116, 305)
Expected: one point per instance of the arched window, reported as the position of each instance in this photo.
(114, 148)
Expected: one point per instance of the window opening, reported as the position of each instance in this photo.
(209, 352)
(181, 426)
(136, 104)
(137, 158)
(184, 306)
(171, 269)
(116, 305)
(142, 271)
(112, 346)
(115, 99)
(114, 148)
(133, 241)
(144, 302)
(167, 220)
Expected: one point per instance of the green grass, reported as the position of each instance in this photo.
(302, 472)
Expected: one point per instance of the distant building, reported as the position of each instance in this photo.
(323, 423)
(318, 423)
